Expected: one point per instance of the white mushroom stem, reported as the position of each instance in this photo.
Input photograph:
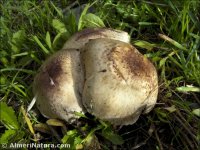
(120, 82)
(59, 84)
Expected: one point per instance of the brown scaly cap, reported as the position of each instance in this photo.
(58, 86)
(120, 82)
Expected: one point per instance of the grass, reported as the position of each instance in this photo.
(167, 32)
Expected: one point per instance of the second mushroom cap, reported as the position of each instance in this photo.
(120, 83)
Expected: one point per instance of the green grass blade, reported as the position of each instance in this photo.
(43, 48)
(8, 117)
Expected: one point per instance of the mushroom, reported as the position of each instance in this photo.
(120, 83)
(58, 86)
(79, 39)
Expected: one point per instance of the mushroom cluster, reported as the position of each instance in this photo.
(100, 72)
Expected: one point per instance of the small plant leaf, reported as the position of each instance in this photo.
(48, 40)
(111, 136)
(173, 42)
(188, 89)
(65, 138)
(81, 115)
(196, 112)
(147, 23)
(59, 26)
(28, 121)
(162, 61)
(162, 115)
(71, 23)
(55, 122)
(69, 138)
(91, 133)
(19, 88)
(144, 44)
(171, 109)
(77, 140)
(72, 132)
(91, 20)
(46, 51)
(80, 22)
(56, 39)
(17, 41)
(79, 146)
(6, 136)
(58, 10)
(8, 117)
(104, 124)
(42, 128)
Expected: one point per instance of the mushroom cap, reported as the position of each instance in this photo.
(58, 85)
(120, 83)
(79, 39)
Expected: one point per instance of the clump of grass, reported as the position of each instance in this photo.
(166, 32)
